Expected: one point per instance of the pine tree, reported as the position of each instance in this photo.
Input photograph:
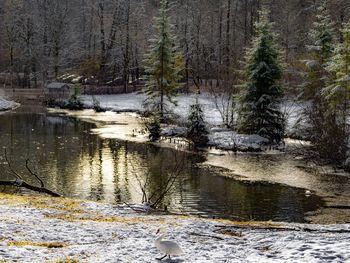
(337, 93)
(153, 127)
(337, 96)
(163, 63)
(319, 52)
(259, 111)
(325, 132)
(197, 131)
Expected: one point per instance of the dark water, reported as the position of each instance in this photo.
(76, 163)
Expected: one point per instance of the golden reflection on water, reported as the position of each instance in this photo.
(107, 173)
(110, 125)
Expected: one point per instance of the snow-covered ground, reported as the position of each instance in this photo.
(220, 138)
(42, 229)
(226, 139)
(7, 105)
(134, 102)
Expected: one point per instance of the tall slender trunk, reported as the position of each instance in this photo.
(187, 63)
(161, 81)
(90, 44)
(11, 67)
(161, 84)
(56, 58)
(126, 55)
(219, 48)
(102, 42)
(245, 22)
(347, 84)
(228, 21)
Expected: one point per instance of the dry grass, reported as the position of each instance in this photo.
(43, 202)
(257, 224)
(67, 260)
(229, 232)
(33, 244)
(102, 218)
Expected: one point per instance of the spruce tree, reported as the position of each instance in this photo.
(337, 97)
(319, 52)
(153, 127)
(323, 128)
(337, 92)
(197, 131)
(163, 64)
(259, 111)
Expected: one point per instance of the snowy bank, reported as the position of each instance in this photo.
(220, 138)
(133, 102)
(229, 140)
(7, 105)
(42, 229)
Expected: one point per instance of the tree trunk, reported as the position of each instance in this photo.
(126, 55)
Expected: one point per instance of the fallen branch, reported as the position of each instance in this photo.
(21, 183)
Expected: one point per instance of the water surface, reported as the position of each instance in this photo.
(76, 163)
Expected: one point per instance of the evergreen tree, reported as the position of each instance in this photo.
(324, 132)
(319, 52)
(337, 93)
(259, 112)
(163, 63)
(153, 127)
(337, 96)
(197, 131)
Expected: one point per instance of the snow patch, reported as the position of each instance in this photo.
(172, 131)
(229, 140)
(7, 105)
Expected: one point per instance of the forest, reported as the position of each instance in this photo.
(45, 39)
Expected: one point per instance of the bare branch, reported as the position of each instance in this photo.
(10, 167)
(34, 174)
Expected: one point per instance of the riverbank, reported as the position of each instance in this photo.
(6, 105)
(43, 229)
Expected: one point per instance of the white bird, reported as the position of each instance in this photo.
(169, 248)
